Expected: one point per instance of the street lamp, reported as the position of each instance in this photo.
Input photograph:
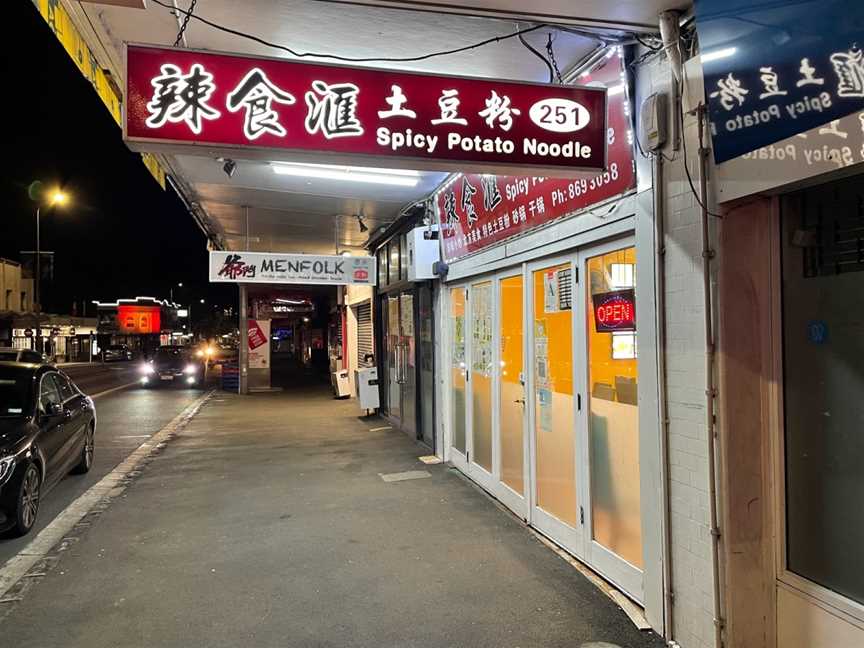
(56, 198)
(171, 291)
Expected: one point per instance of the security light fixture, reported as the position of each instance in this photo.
(229, 166)
(395, 177)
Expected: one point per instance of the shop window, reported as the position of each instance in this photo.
(403, 258)
(622, 275)
(481, 373)
(458, 368)
(823, 357)
(623, 345)
(382, 266)
(393, 273)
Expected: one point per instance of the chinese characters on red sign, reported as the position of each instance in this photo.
(479, 210)
(362, 115)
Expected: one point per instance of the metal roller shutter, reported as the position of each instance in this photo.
(365, 343)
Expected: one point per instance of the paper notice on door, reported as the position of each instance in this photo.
(541, 360)
(544, 407)
(550, 291)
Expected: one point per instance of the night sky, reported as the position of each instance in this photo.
(121, 235)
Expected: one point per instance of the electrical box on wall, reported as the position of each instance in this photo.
(652, 122)
(423, 252)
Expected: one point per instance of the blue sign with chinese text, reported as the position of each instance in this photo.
(776, 68)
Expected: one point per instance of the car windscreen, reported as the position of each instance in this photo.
(14, 393)
(168, 355)
(9, 356)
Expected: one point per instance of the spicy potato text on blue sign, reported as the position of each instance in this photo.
(777, 69)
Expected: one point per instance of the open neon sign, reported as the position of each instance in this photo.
(615, 311)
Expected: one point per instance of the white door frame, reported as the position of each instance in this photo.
(516, 502)
(571, 538)
(613, 567)
(486, 479)
(451, 454)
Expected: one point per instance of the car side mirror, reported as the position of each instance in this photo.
(53, 409)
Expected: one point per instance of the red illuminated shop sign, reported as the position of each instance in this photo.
(360, 115)
(479, 210)
(615, 311)
(139, 319)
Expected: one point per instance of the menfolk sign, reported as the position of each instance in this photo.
(362, 115)
(260, 267)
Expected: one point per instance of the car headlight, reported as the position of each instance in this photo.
(190, 369)
(7, 466)
(146, 369)
(199, 353)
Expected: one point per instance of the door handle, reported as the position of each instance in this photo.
(521, 401)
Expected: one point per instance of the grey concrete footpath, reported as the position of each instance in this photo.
(266, 523)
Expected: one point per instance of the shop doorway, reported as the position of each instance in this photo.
(819, 446)
(544, 412)
(408, 350)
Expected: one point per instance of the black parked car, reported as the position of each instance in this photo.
(47, 429)
(9, 354)
(172, 365)
(116, 352)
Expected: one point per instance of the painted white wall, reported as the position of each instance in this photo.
(692, 580)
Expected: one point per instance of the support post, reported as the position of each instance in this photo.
(243, 356)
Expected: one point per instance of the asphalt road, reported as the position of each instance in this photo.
(97, 377)
(125, 419)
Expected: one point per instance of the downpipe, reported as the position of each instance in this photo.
(710, 388)
(660, 289)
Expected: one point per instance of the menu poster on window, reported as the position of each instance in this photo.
(459, 341)
(482, 333)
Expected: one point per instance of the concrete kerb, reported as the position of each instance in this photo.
(100, 494)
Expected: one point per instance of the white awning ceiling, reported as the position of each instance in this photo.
(265, 211)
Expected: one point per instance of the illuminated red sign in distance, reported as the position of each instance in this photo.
(615, 311)
(479, 210)
(139, 319)
(360, 115)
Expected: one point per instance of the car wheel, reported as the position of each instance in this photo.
(86, 460)
(27, 506)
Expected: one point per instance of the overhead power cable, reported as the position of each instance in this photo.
(349, 59)
(540, 56)
(185, 23)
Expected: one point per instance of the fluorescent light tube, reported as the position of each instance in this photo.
(396, 177)
(718, 54)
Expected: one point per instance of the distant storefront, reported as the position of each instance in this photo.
(60, 337)
(142, 323)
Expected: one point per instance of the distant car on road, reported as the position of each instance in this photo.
(47, 429)
(172, 365)
(116, 353)
(8, 354)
